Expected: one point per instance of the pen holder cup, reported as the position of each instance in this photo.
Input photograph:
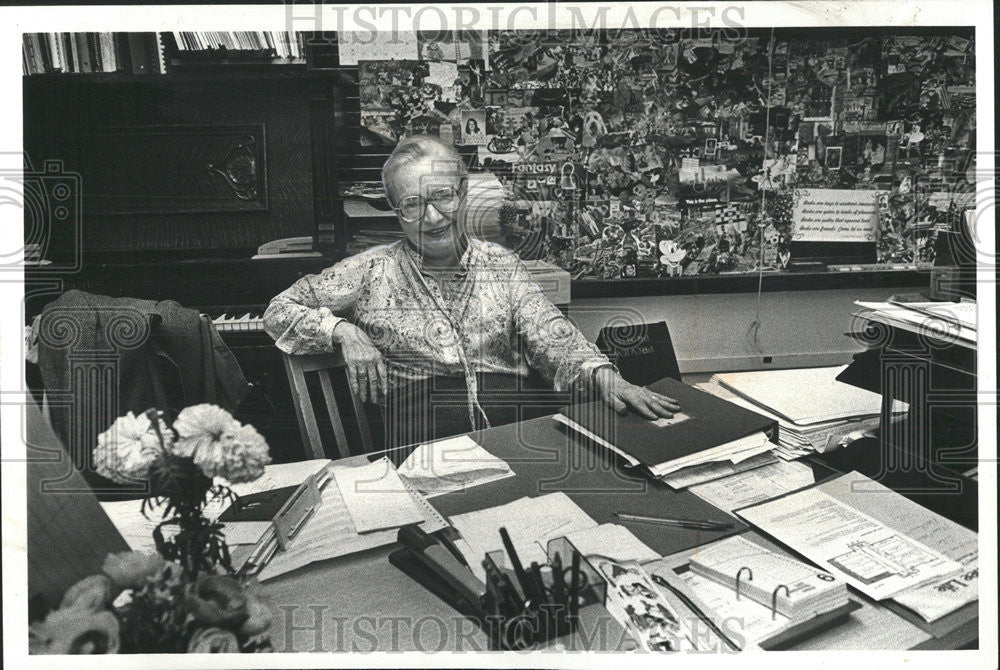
(545, 612)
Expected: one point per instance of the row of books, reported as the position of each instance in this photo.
(281, 44)
(133, 53)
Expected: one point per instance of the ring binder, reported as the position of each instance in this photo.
(740, 574)
(774, 599)
(296, 510)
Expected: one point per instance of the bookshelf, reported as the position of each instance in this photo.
(112, 56)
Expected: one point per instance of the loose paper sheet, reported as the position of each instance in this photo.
(453, 464)
(754, 486)
(874, 558)
(531, 523)
(375, 497)
(613, 541)
(939, 597)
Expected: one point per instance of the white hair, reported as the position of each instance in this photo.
(418, 147)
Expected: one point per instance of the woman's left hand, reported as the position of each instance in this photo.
(620, 395)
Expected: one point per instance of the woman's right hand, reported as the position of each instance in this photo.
(366, 371)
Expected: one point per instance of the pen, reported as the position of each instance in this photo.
(535, 574)
(507, 598)
(692, 524)
(515, 562)
(558, 592)
(574, 588)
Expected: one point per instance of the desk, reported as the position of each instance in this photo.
(365, 604)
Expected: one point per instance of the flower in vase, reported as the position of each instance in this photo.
(240, 456)
(258, 617)
(259, 614)
(213, 641)
(90, 594)
(131, 569)
(167, 583)
(75, 631)
(217, 600)
(199, 427)
(126, 450)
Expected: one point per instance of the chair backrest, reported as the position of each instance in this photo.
(644, 353)
(324, 366)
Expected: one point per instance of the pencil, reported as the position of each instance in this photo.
(692, 524)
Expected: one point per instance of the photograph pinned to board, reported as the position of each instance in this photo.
(833, 157)
(473, 127)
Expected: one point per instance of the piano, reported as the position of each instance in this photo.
(231, 321)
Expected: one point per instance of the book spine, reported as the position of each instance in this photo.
(107, 52)
(94, 48)
(138, 48)
(33, 49)
(83, 52)
(74, 51)
(55, 51)
(44, 51)
(122, 56)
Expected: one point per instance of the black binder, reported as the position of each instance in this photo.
(712, 422)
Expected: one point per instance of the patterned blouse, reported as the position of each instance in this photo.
(491, 317)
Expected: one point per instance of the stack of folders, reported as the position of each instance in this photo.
(815, 411)
(783, 595)
(709, 438)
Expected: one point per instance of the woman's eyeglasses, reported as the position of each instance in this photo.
(445, 200)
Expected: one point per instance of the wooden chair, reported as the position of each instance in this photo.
(323, 365)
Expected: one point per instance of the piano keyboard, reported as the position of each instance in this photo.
(233, 322)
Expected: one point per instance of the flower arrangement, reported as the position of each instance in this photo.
(161, 610)
(186, 597)
(180, 466)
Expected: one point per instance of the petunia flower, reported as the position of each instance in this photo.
(90, 594)
(213, 641)
(217, 600)
(75, 631)
(131, 569)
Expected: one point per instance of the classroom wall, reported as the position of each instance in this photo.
(709, 332)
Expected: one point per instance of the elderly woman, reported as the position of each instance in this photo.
(440, 311)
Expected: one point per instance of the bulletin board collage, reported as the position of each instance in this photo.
(659, 153)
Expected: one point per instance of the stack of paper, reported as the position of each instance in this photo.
(949, 321)
(532, 522)
(453, 464)
(803, 592)
(727, 456)
(814, 410)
